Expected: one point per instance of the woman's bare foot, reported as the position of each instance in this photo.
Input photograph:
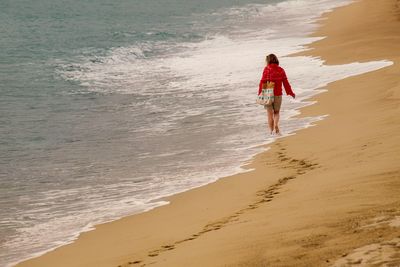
(277, 131)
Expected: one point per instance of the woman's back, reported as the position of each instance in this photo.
(274, 73)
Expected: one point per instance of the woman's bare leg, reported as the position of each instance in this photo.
(270, 114)
(276, 121)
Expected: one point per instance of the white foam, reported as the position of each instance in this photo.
(126, 70)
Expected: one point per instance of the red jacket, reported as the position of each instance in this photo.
(276, 74)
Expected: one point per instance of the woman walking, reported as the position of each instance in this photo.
(274, 73)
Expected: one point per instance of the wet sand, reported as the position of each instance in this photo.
(327, 196)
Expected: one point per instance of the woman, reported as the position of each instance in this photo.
(273, 73)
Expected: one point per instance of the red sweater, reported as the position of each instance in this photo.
(276, 74)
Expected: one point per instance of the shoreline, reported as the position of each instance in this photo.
(214, 213)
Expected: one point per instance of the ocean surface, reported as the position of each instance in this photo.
(106, 106)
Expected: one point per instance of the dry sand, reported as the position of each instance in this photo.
(327, 196)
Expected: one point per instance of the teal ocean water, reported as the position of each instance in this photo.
(106, 106)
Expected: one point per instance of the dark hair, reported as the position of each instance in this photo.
(272, 59)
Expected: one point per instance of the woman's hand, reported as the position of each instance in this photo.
(293, 95)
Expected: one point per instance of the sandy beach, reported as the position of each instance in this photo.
(327, 196)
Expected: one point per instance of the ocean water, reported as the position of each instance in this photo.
(106, 106)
